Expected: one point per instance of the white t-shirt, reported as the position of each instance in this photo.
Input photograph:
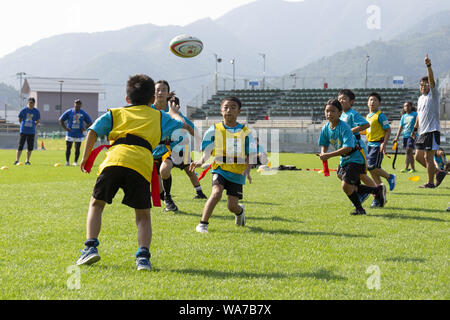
(428, 111)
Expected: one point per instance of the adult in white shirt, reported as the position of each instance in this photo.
(427, 126)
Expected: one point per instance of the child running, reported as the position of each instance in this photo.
(352, 163)
(377, 136)
(233, 148)
(357, 124)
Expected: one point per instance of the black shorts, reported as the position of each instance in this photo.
(135, 187)
(429, 141)
(29, 138)
(408, 143)
(233, 189)
(351, 172)
(374, 157)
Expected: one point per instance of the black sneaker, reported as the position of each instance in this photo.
(440, 177)
(358, 212)
(200, 195)
(16, 162)
(381, 195)
(428, 186)
(170, 205)
(28, 163)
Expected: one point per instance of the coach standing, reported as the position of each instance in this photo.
(28, 118)
(76, 118)
(428, 127)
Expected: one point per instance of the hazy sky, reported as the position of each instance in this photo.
(24, 22)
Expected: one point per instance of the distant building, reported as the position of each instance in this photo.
(50, 92)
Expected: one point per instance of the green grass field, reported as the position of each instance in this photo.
(299, 242)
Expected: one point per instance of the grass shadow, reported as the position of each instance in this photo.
(414, 209)
(405, 259)
(231, 217)
(321, 274)
(421, 194)
(406, 217)
(308, 233)
(263, 203)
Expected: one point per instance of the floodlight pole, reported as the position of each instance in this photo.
(217, 60)
(294, 76)
(263, 55)
(60, 96)
(20, 75)
(233, 61)
(367, 67)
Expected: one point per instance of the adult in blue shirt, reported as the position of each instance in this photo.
(407, 123)
(76, 118)
(28, 118)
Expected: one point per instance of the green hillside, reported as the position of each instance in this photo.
(396, 57)
(8, 95)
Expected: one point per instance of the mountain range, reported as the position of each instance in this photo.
(304, 38)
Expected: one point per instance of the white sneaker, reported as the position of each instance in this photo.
(202, 228)
(74, 164)
(240, 219)
(67, 164)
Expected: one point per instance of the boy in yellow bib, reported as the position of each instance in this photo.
(133, 131)
(377, 137)
(234, 150)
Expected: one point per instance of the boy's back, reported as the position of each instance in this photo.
(141, 121)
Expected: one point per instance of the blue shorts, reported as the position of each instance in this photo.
(374, 158)
(408, 143)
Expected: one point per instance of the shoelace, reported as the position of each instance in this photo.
(143, 261)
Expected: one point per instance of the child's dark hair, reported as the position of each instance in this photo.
(424, 79)
(348, 93)
(334, 102)
(234, 99)
(140, 89)
(163, 82)
(410, 104)
(175, 99)
(376, 95)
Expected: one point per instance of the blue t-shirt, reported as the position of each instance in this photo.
(408, 121)
(341, 137)
(250, 148)
(75, 120)
(354, 119)
(103, 125)
(28, 118)
(383, 120)
(175, 137)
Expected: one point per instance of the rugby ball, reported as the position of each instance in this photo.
(186, 46)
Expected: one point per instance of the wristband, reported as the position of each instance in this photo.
(415, 130)
(428, 65)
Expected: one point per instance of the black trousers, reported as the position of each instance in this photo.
(69, 148)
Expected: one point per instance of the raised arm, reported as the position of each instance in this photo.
(430, 72)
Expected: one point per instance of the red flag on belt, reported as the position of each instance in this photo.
(204, 172)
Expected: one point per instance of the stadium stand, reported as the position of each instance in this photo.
(8, 127)
(303, 103)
